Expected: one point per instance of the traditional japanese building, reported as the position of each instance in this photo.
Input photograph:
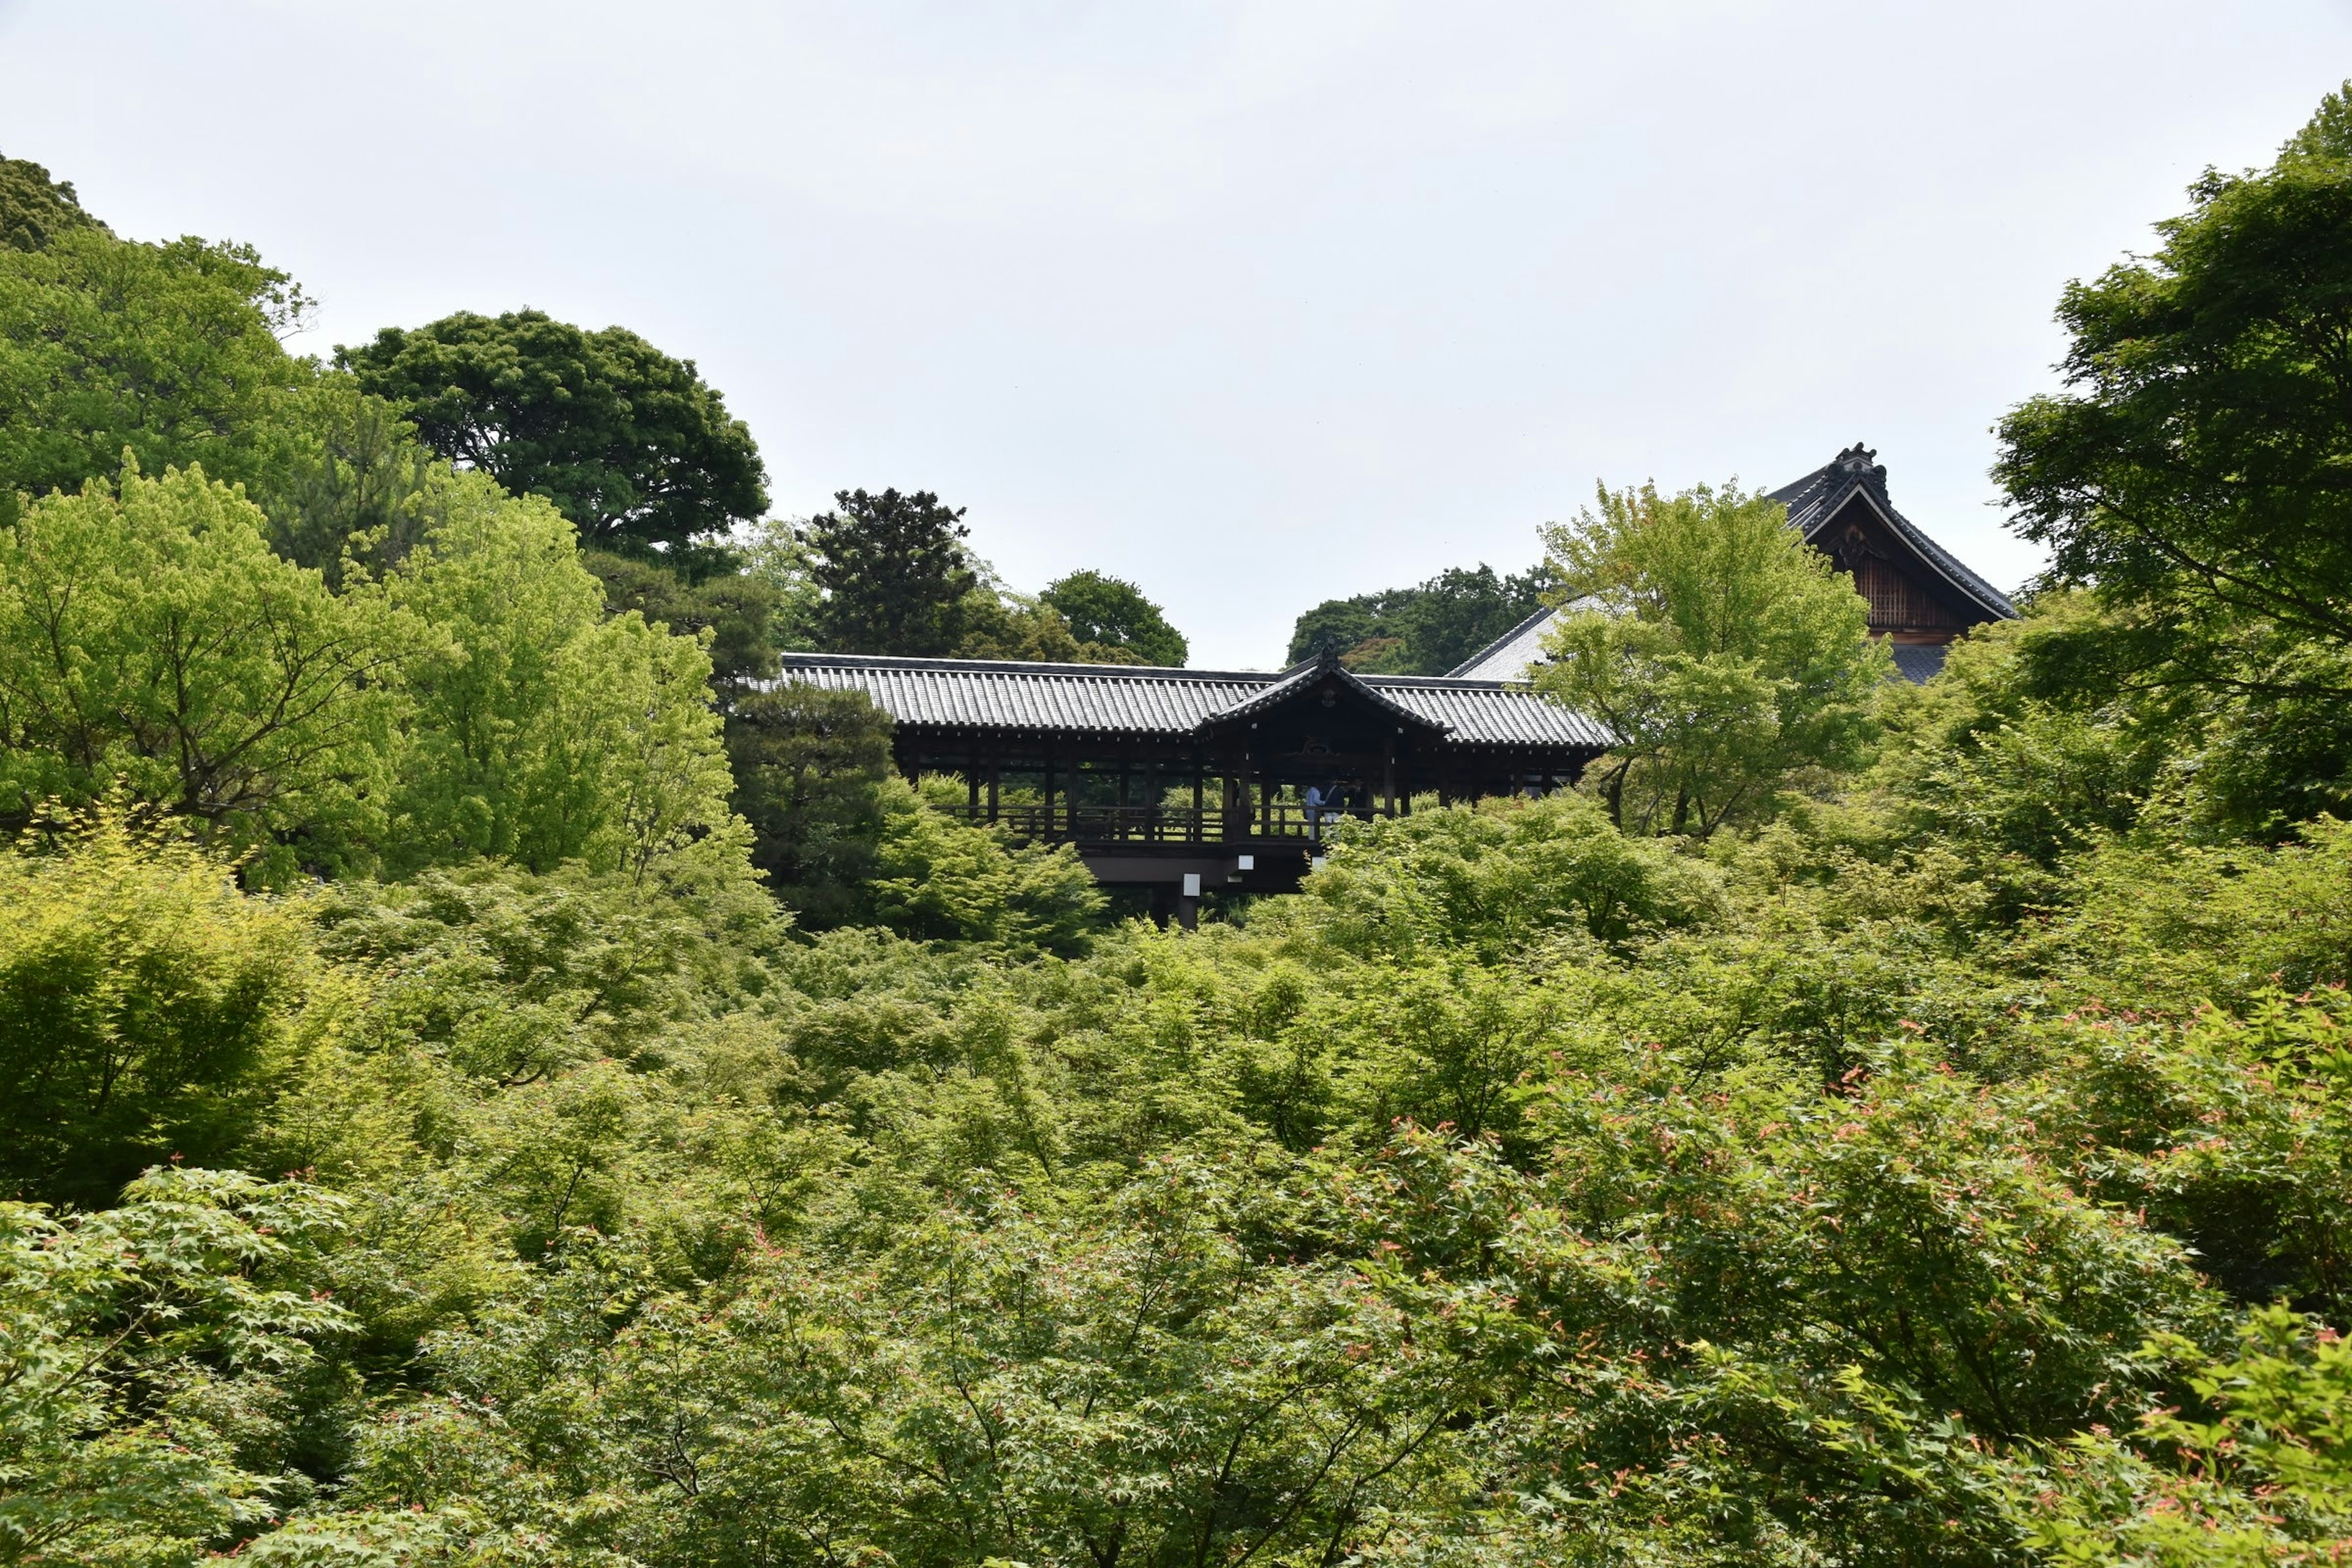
(1920, 596)
(1187, 780)
(1184, 780)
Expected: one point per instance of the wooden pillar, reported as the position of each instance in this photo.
(995, 767)
(1199, 767)
(1049, 789)
(1388, 778)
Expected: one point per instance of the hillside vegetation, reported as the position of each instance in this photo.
(1867, 1125)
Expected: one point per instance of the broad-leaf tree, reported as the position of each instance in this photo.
(170, 352)
(145, 1009)
(1113, 612)
(630, 444)
(1719, 649)
(538, 730)
(34, 208)
(2194, 468)
(150, 641)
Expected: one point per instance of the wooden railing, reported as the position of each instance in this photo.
(1151, 823)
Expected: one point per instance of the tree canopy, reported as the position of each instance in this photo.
(2193, 466)
(169, 351)
(1425, 630)
(1718, 646)
(1113, 612)
(34, 208)
(893, 571)
(1860, 1124)
(630, 444)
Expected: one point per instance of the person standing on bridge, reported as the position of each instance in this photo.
(1316, 796)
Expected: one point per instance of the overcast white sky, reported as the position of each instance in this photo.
(1254, 303)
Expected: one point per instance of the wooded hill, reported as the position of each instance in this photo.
(1869, 1124)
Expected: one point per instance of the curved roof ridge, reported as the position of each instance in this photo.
(1300, 676)
(1816, 498)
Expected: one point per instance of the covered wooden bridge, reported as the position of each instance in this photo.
(1182, 779)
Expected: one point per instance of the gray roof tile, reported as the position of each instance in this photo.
(1129, 700)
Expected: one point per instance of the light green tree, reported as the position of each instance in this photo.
(1725, 657)
(541, 732)
(150, 639)
(946, 879)
(146, 1008)
(130, 1342)
(172, 351)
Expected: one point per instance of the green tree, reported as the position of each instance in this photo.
(34, 208)
(145, 1007)
(943, 880)
(150, 639)
(538, 730)
(139, 1348)
(736, 608)
(2192, 468)
(2189, 477)
(2259, 1473)
(1113, 612)
(170, 351)
(344, 476)
(893, 571)
(630, 444)
(1724, 655)
(812, 768)
(1424, 630)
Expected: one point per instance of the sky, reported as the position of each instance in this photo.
(1255, 304)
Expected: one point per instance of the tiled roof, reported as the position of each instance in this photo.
(1516, 651)
(1301, 675)
(1919, 663)
(1816, 498)
(1109, 699)
(1490, 712)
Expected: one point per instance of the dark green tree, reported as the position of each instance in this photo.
(1428, 629)
(34, 208)
(630, 444)
(737, 609)
(811, 766)
(1113, 612)
(2191, 475)
(2195, 467)
(894, 573)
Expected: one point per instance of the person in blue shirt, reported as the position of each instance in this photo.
(1316, 797)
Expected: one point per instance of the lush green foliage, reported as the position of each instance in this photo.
(2189, 476)
(1938, 1159)
(474, 701)
(1716, 646)
(1425, 630)
(631, 444)
(811, 773)
(35, 208)
(167, 352)
(1113, 612)
(893, 571)
(2191, 473)
(150, 640)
